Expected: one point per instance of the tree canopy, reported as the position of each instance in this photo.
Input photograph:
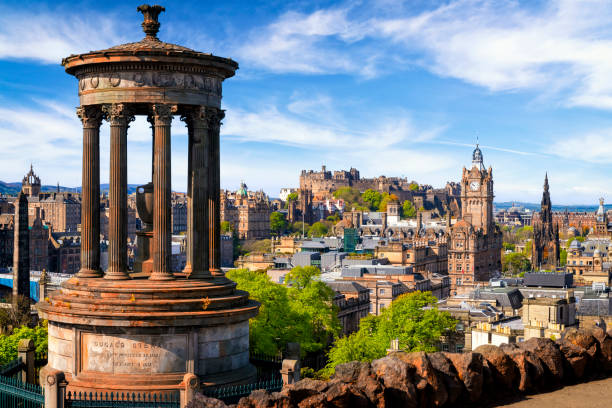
(9, 342)
(412, 318)
(300, 310)
(515, 263)
(372, 199)
(278, 223)
(318, 229)
(408, 210)
(413, 186)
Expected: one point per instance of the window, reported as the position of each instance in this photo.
(382, 291)
(445, 347)
(459, 348)
(458, 282)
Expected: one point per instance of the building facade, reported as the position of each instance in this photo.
(475, 241)
(247, 212)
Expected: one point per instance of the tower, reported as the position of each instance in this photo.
(21, 251)
(545, 249)
(601, 225)
(30, 185)
(477, 194)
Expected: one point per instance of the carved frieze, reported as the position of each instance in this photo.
(154, 79)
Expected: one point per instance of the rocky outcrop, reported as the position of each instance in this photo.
(446, 379)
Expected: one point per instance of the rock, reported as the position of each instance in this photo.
(346, 395)
(350, 372)
(577, 357)
(202, 401)
(503, 369)
(263, 399)
(605, 345)
(314, 401)
(304, 389)
(469, 368)
(396, 377)
(547, 352)
(583, 339)
(430, 389)
(530, 368)
(446, 371)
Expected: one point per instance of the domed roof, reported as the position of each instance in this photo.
(477, 158)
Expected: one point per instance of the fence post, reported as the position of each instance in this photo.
(191, 384)
(54, 385)
(26, 351)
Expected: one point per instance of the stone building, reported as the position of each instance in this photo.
(64, 252)
(39, 244)
(248, 212)
(7, 231)
(591, 261)
(603, 226)
(475, 241)
(30, 185)
(548, 317)
(426, 257)
(545, 249)
(353, 301)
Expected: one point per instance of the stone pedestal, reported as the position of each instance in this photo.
(144, 259)
(144, 336)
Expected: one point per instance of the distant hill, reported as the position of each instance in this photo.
(14, 188)
(536, 207)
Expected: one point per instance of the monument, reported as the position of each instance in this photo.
(144, 331)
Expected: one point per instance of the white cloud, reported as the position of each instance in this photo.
(563, 47)
(49, 36)
(592, 147)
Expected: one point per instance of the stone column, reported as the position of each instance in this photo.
(27, 352)
(91, 117)
(162, 220)
(197, 196)
(119, 116)
(214, 217)
(54, 384)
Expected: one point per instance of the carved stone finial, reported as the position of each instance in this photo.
(150, 25)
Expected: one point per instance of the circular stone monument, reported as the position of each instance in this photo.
(144, 331)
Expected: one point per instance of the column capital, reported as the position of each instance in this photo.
(162, 114)
(196, 117)
(214, 116)
(91, 116)
(118, 114)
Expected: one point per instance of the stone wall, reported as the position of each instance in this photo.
(490, 375)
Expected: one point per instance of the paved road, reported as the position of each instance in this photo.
(594, 394)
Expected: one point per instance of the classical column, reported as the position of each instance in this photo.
(162, 221)
(197, 195)
(119, 116)
(91, 117)
(214, 222)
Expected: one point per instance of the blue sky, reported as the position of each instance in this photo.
(389, 87)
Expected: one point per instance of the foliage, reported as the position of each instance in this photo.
(563, 257)
(333, 218)
(413, 186)
(408, 210)
(386, 198)
(578, 238)
(11, 317)
(300, 311)
(515, 262)
(318, 229)
(226, 227)
(421, 208)
(9, 343)
(413, 319)
(259, 246)
(528, 248)
(350, 195)
(372, 199)
(292, 196)
(517, 235)
(508, 246)
(278, 223)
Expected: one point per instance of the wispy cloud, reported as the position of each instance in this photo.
(562, 47)
(48, 36)
(592, 147)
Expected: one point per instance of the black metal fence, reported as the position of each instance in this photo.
(232, 394)
(16, 394)
(123, 400)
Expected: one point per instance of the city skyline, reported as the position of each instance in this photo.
(389, 88)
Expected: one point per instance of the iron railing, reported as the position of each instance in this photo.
(12, 368)
(15, 394)
(123, 400)
(232, 394)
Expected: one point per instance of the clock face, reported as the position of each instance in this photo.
(474, 185)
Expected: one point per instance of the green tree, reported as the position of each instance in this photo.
(333, 218)
(515, 263)
(292, 196)
(278, 223)
(563, 257)
(413, 186)
(508, 246)
(408, 210)
(350, 195)
(300, 311)
(226, 227)
(413, 319)
(421, 208)
(386, 198)
(318, 229)
(372, 199)
(9, 342)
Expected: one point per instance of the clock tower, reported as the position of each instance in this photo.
(474, 241)
(477, 194)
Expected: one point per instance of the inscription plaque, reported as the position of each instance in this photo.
(134, 354)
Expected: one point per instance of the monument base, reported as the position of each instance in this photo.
(144, 336)
(144, 260)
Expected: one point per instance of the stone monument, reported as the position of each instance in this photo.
(21, 250)
(144, 331)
